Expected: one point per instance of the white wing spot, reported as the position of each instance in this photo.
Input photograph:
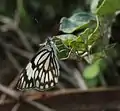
(47, 63)
(37, 83)
(22, 79)
(50, 76)
(40, 73)
(23, 84)
(21, 75)
(27, 86)
(30, 84)
(43, 58)
(51, 64)
(29, 70)
(46, 86)
(52, 84)
(42, 78)
(40, 66)
(53, 71)
(38, 57)
(36, 74)
(33, 75)
(41, 87)
(46, 79)
(56, 80)
(57, 63)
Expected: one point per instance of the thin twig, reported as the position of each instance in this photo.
(16, 107)
(19, 51)
(60, 86)
(9, 92)
(13, 60)
(38, 105)
(5, 19)
(79, 80)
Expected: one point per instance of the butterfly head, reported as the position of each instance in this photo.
(49, 41)
(49, 44)
(52, 45)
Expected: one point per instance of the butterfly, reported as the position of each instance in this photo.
(42, 71)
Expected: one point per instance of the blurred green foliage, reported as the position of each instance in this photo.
(95, 33)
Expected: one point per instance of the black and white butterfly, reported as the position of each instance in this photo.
(42, 71)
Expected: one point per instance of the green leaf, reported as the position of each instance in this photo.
(78, 45)
(63, 50)
(81, 44)
(73, 42)
(93, 70)
(77, 21)
(92, 82)
(108, 7)
(94, 5)
(87, 36)
(67, 38)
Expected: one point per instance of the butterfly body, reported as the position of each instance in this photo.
(42, 71)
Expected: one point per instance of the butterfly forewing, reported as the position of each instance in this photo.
(42, 71)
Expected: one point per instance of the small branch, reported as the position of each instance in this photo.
(16, 107)
(5, 19)
(19, 51)
(38, 105)
(79, 80)
(10, 92)
(13, 60)
(60, 86)
(17, 96)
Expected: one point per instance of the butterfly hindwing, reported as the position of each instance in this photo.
(26, 81)
(45, 75)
